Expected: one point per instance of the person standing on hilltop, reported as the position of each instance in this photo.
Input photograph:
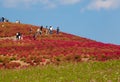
(41, 28)
(51, 29)
(58, 30)
(2, 19)
(46, 30)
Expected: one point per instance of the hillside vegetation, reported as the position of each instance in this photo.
(66, 72)
(47, 49)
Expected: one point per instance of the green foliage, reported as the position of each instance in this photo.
(108, 71)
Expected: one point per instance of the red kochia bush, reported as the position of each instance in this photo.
(51, 47)
(26, 48)
(12, 65)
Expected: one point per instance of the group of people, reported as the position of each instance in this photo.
(47, 31)
(39, 31)
(50, 30)
(2, 19)
(18, 36)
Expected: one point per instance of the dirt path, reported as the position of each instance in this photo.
(9, 38)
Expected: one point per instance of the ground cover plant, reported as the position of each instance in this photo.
(50, 48)
(108, 71)
(55, 57)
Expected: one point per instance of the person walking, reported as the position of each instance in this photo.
(41, 29)
(38, 32)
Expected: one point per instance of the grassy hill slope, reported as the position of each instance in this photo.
(66, 72)
(51, 48)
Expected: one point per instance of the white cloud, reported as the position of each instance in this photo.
(10, 3)
(91, 4)
(103, 4)
(45, 3)
(69, 1)
(16, 3)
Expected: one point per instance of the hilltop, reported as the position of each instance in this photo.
(51, 48)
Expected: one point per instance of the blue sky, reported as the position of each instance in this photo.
(95, 19)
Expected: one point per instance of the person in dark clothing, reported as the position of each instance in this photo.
(58, 30)
(18, 35)
(2, 19)
(41, 28)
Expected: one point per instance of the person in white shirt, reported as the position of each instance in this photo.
(51, 29)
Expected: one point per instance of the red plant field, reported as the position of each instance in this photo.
(47, 49)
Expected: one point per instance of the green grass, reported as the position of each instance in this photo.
(67, 72)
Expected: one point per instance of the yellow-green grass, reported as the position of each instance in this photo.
(66, 72)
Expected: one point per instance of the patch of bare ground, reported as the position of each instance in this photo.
(22, 63)
(8, 38)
